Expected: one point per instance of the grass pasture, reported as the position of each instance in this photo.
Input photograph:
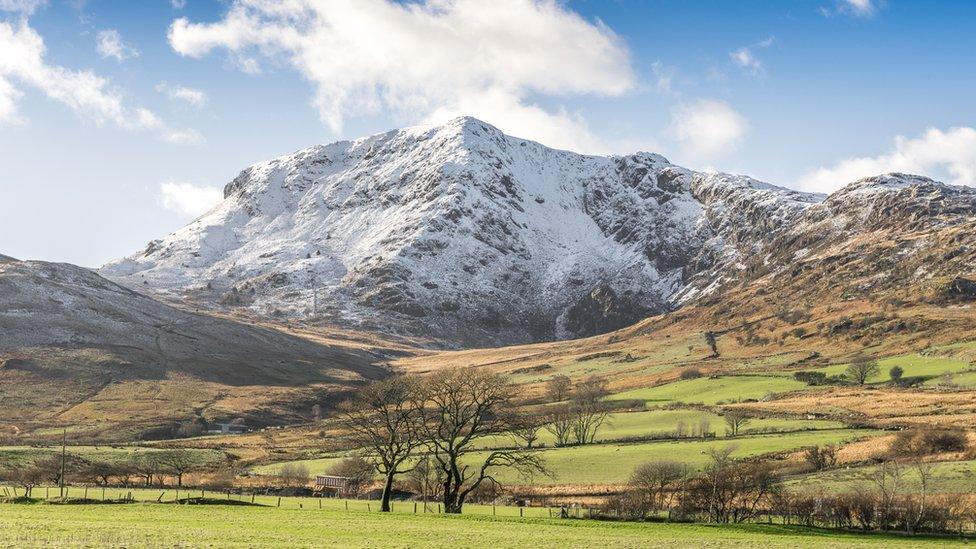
(156, 525)
(950, 477)
(711, 391)
(929, 367)
(111, 454)
(612, 463)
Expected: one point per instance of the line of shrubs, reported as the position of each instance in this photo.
(731, 491)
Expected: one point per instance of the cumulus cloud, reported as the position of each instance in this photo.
(193, 97)
(109, 43)
(189, 199)
(177, 4)
(420, 60)
(746, 58)
(23, 63)
(707, 128)
(948, 155)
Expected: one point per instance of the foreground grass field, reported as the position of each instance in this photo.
(157, 525)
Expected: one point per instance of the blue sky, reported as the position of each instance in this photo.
(119, 121)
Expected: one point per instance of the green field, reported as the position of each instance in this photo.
(158, 525)
(712, 391)
(951, 477)
(11, 455)
(613, 463)
(929, 367)
(620, 426)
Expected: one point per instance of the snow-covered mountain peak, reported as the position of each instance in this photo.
(468, 235)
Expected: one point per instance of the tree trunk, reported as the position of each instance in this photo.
(387, 493)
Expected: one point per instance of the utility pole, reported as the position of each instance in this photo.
(64, 451)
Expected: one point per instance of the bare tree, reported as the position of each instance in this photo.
(177, 462)
(658, 483)
(887, 479)
(26, 476)
(383, 420)
(526, 429)
(926, 472)
(359, 470)
(559, 422)
(588, 409)
(558, 388)
(425, 479)
(821, 458)
(100, 472)
(293, 475)
(735, 421)
(145, 465)
(460, 406)
(731, 492)
(590, 390)
(861, 368)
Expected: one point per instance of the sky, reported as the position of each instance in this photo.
(122, 121)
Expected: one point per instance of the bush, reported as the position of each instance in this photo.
(923, 442)
(811, 378)
(821, 458)
(691, 373)
(895, 373)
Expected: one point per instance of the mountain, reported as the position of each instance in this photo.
(79, 350)
(463, 234)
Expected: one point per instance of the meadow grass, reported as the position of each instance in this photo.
(711, 391)
(914, 365)
(950, 477)
(113, 454)
(612, 463)
(155, 525)
(623, 426)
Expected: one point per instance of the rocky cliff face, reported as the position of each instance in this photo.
(472, 237)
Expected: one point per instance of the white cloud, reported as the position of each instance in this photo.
(109, 43)
(177, 4)
(745, 56)
(25, 7)
(436, 56)
(89, 95)
(8, 103)
(663, 78)
(194, 97)
(855, 8)
(189, 199)
(949, 155)
(183, 137)
(707, 129)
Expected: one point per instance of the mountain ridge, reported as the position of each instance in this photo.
(464, 234)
